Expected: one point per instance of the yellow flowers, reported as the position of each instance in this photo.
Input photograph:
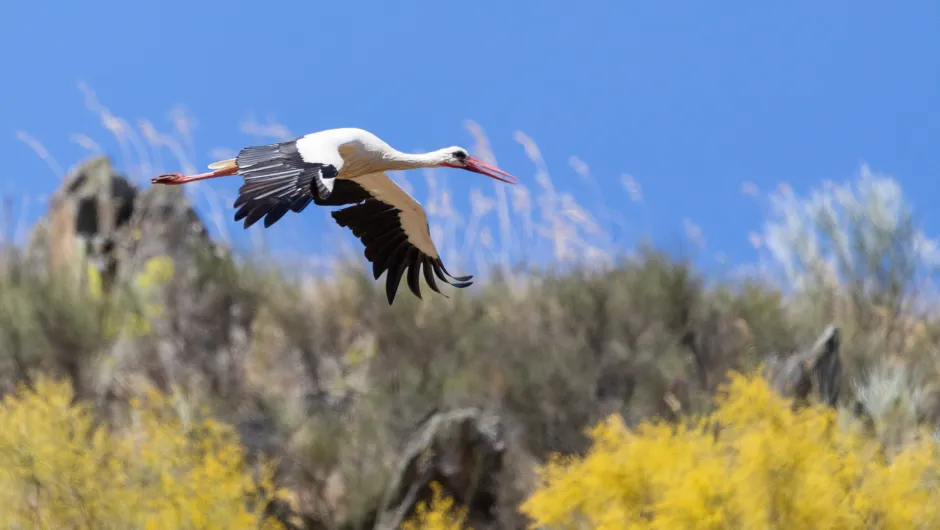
(754, 463)
(58, 469)
(157, 271)
(439, 514)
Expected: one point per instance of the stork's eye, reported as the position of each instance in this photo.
(460, 155)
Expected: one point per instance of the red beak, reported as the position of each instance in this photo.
(478, 166)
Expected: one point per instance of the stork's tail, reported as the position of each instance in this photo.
(224, 164)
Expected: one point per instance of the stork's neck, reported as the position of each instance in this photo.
(400, 161)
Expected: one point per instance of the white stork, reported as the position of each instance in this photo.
(339, 167)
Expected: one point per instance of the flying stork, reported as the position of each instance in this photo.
(340, 167)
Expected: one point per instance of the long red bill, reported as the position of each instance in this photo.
(478, 166)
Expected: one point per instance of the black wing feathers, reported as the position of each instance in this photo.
(378, 226)
(278, 180)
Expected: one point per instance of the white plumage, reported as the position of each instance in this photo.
(346, 167)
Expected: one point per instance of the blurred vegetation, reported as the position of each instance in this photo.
(755, 462)
(58, 469)
(317, 376)
(439, 514)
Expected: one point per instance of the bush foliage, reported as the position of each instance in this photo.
(439, 514)
(755, 462)
(323, 375)
(58, 469)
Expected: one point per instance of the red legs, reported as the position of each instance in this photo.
(179, 178)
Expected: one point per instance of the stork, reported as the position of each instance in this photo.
(343, 167)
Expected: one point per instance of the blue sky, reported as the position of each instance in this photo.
(690, 98)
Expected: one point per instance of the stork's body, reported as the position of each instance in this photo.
(341, 167)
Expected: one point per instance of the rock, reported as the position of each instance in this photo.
(461, 450)
(99, 218)
(86, 215)
(100, 215)
(794, 376)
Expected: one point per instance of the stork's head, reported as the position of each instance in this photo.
(458, 157)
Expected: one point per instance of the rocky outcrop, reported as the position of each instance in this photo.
(86, 214)
(98, 215)
(99, 218)
(461, 450)
(819, 366)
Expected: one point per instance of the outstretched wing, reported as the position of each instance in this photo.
(286, 176)
(394, 230)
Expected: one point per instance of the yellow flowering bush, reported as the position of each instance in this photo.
(439, 514)
(754, 463)
(59, 469)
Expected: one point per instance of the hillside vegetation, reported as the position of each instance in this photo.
(157, 379)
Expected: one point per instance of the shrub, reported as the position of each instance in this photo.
(753, 463)
(59, 470)
(439, 514)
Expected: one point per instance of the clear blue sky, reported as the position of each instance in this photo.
(691, 98)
